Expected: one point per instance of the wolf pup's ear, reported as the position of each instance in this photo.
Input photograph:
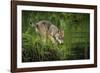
(61, 32)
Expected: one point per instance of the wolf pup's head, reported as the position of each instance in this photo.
(59, 37)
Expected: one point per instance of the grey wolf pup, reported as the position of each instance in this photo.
(47, 30)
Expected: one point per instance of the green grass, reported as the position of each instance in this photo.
(76, 37)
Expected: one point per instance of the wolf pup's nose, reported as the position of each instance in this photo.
(61, 42)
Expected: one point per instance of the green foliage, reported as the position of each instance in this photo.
(76, 37)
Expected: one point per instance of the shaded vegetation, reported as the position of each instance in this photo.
(76, 37)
